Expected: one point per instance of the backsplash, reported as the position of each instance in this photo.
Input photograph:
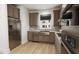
(45, 24)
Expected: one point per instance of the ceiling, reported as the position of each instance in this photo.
(39, 6)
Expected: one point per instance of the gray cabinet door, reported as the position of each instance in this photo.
(10, 10)
(41, 38)
(52, 37)
(36, 36)
(56, 17)
(13, 11)
(44, 38)
(30, 36)
(16, 13)
(33, 17)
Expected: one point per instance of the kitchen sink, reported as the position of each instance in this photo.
(44, 32)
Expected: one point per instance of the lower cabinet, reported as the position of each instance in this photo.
(35, 36)
(52, 37)
(43, 38)
(30, 35)
(40, 37)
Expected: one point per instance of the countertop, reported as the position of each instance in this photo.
(54, 29)
(73, 30)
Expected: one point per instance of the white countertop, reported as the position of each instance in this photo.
(38, 30)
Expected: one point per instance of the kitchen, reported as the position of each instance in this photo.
(41, 26)
(41, 29)
(50, 28)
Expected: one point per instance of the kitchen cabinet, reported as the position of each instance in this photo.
(41, 37)
(10, 10)
(44, 37)
(30, 36)
(75, 18)
(13, 11)
(33, 36)
(36, 36)
(68, 6)
(33, 17)
(16, 13)
(56, 17)
(52, 37)
(74, 8)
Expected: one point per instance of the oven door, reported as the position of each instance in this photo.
(71, 42)
(63, 50)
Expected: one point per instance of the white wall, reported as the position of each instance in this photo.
(4, 42)
(24, 17)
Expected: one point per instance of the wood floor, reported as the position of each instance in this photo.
(34, 48)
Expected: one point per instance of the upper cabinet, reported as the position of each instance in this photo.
(56, 17)
(13, 12)
(71, 11)
(16, 13)
(33, 17)
(67, 8)
(10, 10)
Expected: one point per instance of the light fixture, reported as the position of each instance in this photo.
(45, 13)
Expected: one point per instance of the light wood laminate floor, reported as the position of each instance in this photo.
(34, 48)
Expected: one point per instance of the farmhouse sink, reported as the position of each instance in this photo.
(44, 32)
